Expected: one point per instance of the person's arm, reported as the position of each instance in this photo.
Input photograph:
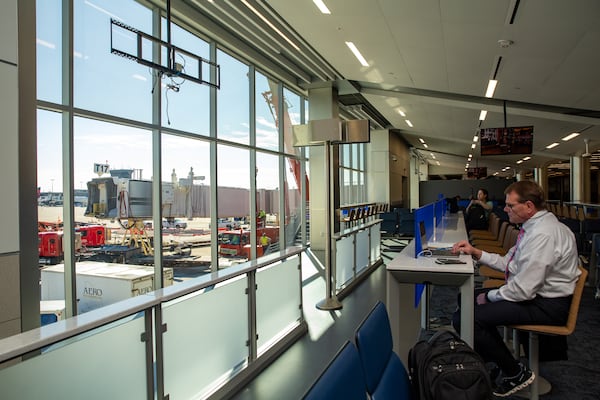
(488, 205)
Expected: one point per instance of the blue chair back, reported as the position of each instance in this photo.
(342, 379)
(385, 375)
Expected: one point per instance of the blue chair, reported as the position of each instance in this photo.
(342, 379)
(385, 375)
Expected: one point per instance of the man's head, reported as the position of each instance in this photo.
(523, 200)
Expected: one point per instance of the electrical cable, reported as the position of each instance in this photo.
(167, 105)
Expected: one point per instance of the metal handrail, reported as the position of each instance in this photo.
(32, 340)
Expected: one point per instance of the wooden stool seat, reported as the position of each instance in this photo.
(535, 330)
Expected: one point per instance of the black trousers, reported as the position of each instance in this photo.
(488, 317)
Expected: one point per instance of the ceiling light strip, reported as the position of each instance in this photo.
(266, 21)
(571, 136)
(326, 68)
(319, 73)
(321, 6)
(491, 88)
(243, 25)
(357, 54)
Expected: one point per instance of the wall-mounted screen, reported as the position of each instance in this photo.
(511, 140)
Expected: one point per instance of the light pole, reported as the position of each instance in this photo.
(52, 186)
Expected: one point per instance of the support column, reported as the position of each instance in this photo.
(540, 176)
(577, 174)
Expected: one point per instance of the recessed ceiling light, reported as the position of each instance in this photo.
(553, 145)
(438, 163)
(519, 162)
(425, 145)
(408, 123)
(475, 138)
(526, 158)
(357, 54)
(571, 136)
(402, 113)
(470, 155)
(473, 145)
(482, 115)
(491, 88)
(432, 155)
(322, 7)
(421, 140)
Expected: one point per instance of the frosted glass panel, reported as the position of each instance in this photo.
(362, 250)
(375, 242)
(277, 301)
(344, 257)
(205, 339)
(108, 363)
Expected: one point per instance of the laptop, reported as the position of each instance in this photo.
(437, 249)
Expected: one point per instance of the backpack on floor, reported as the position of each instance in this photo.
(445, 367)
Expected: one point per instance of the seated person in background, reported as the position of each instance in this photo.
(478, 211)
(541, 272)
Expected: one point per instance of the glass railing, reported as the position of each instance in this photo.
(201, 338)
(356, 249)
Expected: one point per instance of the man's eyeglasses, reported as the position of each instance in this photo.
(510, 206)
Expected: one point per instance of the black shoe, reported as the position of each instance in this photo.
(512, 384)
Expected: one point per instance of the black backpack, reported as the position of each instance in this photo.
(445, 367)
(476, 218)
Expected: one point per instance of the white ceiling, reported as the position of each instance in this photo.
(432, 59)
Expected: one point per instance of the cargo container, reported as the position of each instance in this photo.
(100, 283)
(51, 311)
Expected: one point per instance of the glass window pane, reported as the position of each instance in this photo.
(293, 202)
(104, 82)
(186, 204)
(186, 104)
(291, 117)
(267, 104)
(233, 191)
(233, 108)
(49, 50)
(267, 202)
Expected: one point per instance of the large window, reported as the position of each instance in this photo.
(122, 143)
(352, 174)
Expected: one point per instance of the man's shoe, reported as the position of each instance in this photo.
(512, 384)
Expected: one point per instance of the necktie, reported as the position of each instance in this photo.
(506, 273)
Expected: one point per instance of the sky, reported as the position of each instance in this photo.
(109, 84)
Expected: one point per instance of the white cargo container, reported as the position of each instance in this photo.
(51, 311)
(100, 283)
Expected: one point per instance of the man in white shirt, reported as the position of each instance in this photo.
(541, 272)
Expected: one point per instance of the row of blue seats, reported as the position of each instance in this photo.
(367, 367)
(400, 221)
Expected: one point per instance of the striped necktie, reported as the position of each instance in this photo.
(506, 273)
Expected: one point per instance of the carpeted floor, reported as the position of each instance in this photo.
(576, 378)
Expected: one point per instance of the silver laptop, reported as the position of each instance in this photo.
(436, 249)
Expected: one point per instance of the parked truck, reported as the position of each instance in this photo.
(100, 283)
(236, 243)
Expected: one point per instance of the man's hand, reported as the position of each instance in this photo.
(481, 299)
(465, 247)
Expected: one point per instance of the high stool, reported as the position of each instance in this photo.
(535, 330)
